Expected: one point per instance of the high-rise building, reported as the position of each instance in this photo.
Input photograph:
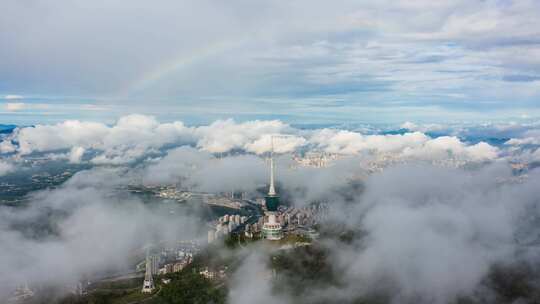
(272, 228)
(210, 236)
(148, 284)
(300, 217)
(178, 267)
(155, 259)
(21, 294)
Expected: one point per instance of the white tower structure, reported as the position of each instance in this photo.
(272, 228)
(148, 284)
(272, 188)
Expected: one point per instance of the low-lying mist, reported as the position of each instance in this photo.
(88, 226)
(417, 231)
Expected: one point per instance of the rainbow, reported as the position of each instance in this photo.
(178, 63)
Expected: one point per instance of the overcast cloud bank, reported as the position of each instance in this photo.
(138, 137)
(331, 61)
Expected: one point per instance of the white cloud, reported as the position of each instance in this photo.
(131, 137)
(135, 136)
(61, 136)
(523, 141)
(226, 135)
(536, 155)
(427, 223)
(14, 106)
(6, 146)
(347, 142)
(282, 144)
(76, 155)
(414, 145)
(530, 135)
(6, 168)
(409, 126)
(12, 97)
(253, 280)
(421, 128)
(451, 147)
(19, 106)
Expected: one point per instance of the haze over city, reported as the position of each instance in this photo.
(270, 152)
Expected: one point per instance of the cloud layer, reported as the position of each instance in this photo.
(309, 59)
(137, 137)
(422, 234)
(85, 227)
(444, 227)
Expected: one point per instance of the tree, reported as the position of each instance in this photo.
(191, 288)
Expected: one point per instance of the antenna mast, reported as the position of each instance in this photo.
(272, 190)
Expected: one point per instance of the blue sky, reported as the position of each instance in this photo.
(300, 61)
